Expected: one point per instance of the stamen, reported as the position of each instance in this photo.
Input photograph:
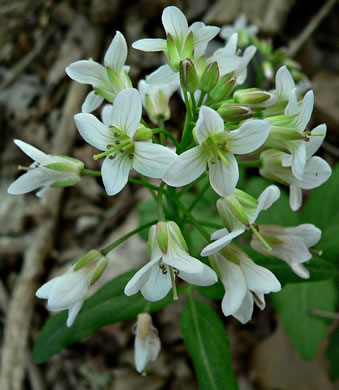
(260, 237)
(316, 252)
(174, 287)
(111, 150)
(218, 152)
(21, 168)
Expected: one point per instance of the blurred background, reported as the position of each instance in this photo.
(40, 239)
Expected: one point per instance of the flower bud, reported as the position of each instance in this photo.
(210, 77)
(232, 112)
(188, 76)
(143, 134)
(254, 96)
(223, 88)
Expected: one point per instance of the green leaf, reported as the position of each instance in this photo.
(295, 304)
(106, 306)
(332, 354)
(215, 292)
(206, 341)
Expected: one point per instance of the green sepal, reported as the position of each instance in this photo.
(106, 95)
(162, 236)
(173, 54)
(67, 182)
(231, 112)
(92, 255)
(179, 235)
(115, 80)
(188, 45)
(251, 96)
(210, 77)
(143, 134)
(188, 76)
(224, 88)
(99, 269)
(64, 167)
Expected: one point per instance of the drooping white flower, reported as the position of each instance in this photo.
(169, 257)
(228, 60)
(276, 166)
(241, 27)
(146, 343)
(287, 131)
(125, 143)
(106, 80)
(46, 171)
(182, 41)
(244, 282)
(239, 212)
(69, 291)
(290, 244)
(216, 149)
(155, 97)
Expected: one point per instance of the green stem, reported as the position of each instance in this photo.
(108, 248)
(202, 95)
(90, 172)
(161, 215)
(162, 134)
(194, 106)
(191, 185)
(174, 287)
(199, 196)
(187, 103)
(252, 163)
(143, 183)
(169, 135)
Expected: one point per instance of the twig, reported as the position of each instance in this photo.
(297, 43)
(325, 314)
(21, 306)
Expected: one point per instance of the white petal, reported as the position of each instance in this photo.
(284, 83)
(150, 44)
(300, 270)
(241, 70)
(92, 102)
(205, 34)
(174, 22)
(315, 141)
(258, 279)
(163, 75)
(299, 160)
(182, 261)
(87, 72)
(231, 46)
(33, 179)
(44, 291)
(215, 246)
(292, 106)
(116, 54)
(317, 171)
(224, 178)
(200, 49)
(93, 131)
(209, 123)
(106, 114)
(245, 311)
(152, 160)
(219, 234)
(305, 111)
(186, 168)
(126, 112)
(295, 198)
(249, 137)
(73, 312)
(115, 172)
(206, 278)
(34, 153)
(234, 282)
(140, 277)
(157, 286)
(307, 232)
(265, 200)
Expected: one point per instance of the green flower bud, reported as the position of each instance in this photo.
(143, 134)
(162, 236)
(232, 112)
(91, 256)
(251, 96)
(188, 76)
(224, 88)
(210, 77)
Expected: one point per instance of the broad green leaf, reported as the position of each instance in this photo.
(322, 207)
(295, 304)
(332, 354)
(207, 344)
(106, 306)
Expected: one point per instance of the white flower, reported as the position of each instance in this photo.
(287, 131)
(106, 80)
(284, 84)
(216, 149)
(168, 257)
(155, 96)
(244, 282)
(46, 171)
(239, 212)
(182, 41)
(69, 290)
(290, 244)
(146, 344)
(228, 60)
(276, 166)
(122, 142)
(240, 26)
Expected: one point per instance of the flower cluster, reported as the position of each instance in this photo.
(223, 121)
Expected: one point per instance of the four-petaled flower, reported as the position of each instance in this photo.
(46, 171)
(126, 144)
(168, 257)
(216, 149)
